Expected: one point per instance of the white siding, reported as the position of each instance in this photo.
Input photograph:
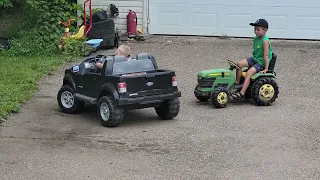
(123, 6)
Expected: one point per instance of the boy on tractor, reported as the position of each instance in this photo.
(259, 62)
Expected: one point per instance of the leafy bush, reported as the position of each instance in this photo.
(6, 3)
(44, 36)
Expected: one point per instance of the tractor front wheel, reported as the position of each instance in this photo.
(220, 97)
(264, 91)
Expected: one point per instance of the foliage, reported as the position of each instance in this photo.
(11, 25)
(32, 26)
(44, 36)
(6, 3)
(10, 5)
(75, 47)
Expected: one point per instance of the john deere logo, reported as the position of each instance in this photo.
(149, 83)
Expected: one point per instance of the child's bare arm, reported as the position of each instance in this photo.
(99, 65)
(265, 54)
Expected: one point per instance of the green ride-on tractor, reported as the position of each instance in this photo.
(218, 84)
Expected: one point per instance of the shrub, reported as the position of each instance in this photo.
(43, 37)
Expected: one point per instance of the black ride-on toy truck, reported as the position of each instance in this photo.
(119, 86)
(218, 84)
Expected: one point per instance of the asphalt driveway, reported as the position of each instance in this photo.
(242, 141)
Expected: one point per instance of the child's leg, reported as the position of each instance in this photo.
(241, 63)
(246, 82)
(255, 68)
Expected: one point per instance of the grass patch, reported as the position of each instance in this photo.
(19, 78)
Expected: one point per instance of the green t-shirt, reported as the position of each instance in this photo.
(257, 54)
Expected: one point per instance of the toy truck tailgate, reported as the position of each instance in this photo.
(141, 78)
(151, 83)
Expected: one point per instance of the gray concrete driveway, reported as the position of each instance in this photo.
(242, 141)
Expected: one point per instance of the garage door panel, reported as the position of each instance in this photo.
(305, 23)
(287, 19)
(203, 24)
(308, 20)
(168, 2)
(278, 22)
(220, 2)
(168, 19)
(204, 19)
(237, 21)
(256, 3)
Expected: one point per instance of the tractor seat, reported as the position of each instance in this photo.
(270, 68)
(243, 74)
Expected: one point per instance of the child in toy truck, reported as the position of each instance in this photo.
(123, 50)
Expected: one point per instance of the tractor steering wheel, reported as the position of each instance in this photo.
(233, 65)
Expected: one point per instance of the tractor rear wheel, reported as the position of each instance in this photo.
(264, 91)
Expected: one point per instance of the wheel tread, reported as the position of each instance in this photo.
(255, 91)
(116, 113)
(214, 96)
(78, 104)
(168, 109)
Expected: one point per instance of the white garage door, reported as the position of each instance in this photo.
(291, 19)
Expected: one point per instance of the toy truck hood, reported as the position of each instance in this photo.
(214, 72)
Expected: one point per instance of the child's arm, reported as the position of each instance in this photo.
(99, 65)
(265, 55)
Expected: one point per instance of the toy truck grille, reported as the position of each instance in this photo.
(206, 82)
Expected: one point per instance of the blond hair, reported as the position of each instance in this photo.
(123, 50)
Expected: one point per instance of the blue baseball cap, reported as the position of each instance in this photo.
(260, 22)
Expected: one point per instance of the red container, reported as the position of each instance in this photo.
(132, 21)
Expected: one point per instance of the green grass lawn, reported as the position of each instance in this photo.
(19, 77)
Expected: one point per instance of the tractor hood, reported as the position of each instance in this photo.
(215, 73)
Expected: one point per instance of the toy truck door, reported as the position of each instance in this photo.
(88, 84)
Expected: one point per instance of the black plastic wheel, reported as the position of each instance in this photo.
(265, 91)
(168, 109)
(110, 115)
(67, 102)
(219, 97)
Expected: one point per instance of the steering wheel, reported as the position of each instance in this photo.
(233, 65)
(94, 60)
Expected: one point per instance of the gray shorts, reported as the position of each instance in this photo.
(257, 66)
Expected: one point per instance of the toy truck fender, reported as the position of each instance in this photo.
(68, 79)
(267, 74)
(109, 89)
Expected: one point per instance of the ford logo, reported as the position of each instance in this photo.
(149, 83)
